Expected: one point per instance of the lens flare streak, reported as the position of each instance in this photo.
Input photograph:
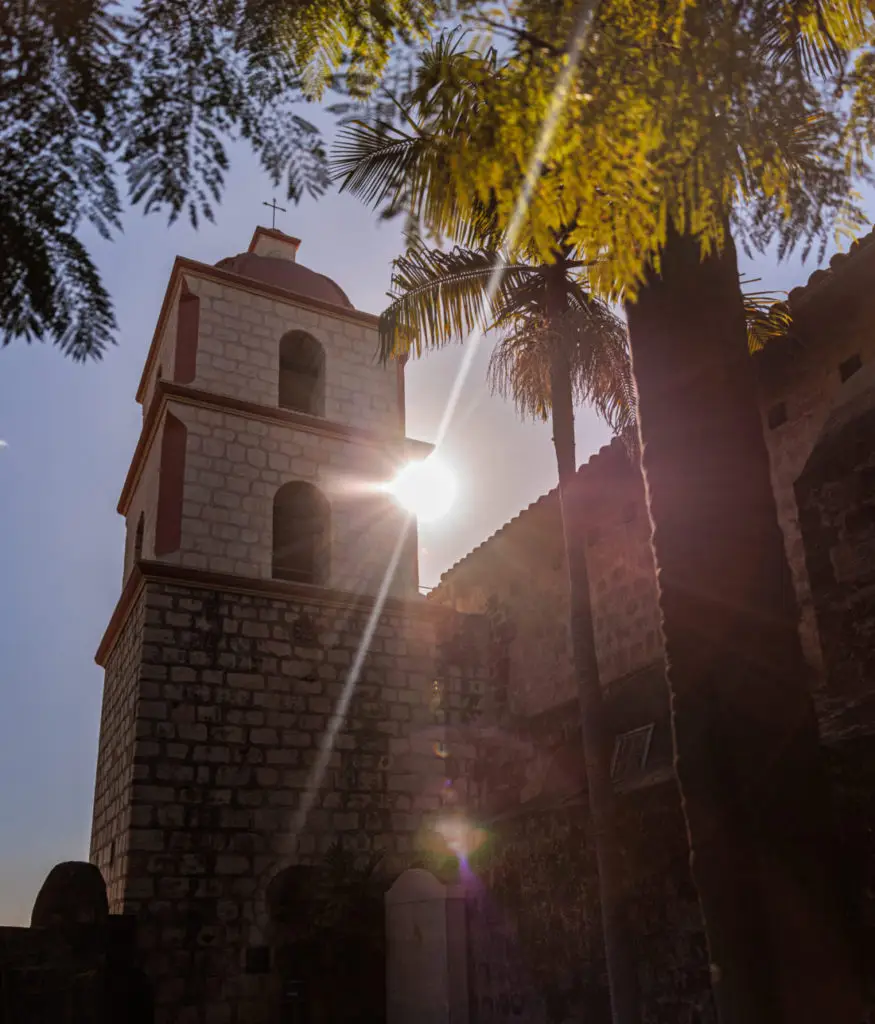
(464, 838)
(317, 773)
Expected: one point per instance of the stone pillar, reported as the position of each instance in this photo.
(836, 498)
(427, 957)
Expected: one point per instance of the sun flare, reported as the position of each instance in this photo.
(427, 489)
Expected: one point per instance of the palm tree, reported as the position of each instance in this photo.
(670, 118)
(557, 345)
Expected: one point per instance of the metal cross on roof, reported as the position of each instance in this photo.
(273, 208)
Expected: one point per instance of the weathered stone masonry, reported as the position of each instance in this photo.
(234, 694)
(115, 763)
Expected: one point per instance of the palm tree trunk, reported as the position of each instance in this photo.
(596, 736)
(754, 788)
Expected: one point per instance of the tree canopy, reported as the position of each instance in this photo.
(673, 108)
(689, 110)
(93, 96)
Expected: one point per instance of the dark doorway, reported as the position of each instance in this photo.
(327, 933)
(302, 374)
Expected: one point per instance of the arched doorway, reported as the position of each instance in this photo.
(327, 933)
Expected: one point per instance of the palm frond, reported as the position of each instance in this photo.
(816, 36)
(405, 170)
(519, 368)
(597, 354)
(767, 318)
(373, 160)
(400, 164)
(438, 296)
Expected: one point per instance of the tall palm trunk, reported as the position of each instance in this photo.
(597, 739)
(754, 789)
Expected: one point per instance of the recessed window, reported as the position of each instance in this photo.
(302, 374)
(301, 521)
(630, 753)
(777, 415)
(850, 366)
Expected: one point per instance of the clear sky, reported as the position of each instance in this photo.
(70, 431)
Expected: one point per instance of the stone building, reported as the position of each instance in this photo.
(286, 728)
(275, 686)
(541, 871)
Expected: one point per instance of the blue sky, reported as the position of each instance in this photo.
(70, 431)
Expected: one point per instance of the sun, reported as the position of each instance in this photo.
(427, 489)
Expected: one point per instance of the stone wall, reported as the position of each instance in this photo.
(235, 695)
(836, 494)
(518, 580)
(541, 957)
(238, 353)
(534, 926)
(110, 828)
(517, 575)
(833, 319)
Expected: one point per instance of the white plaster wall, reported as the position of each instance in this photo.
(234, 467)
(144, 499)
(238, 355)
(165, 355)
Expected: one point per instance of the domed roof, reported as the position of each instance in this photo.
(286, 274)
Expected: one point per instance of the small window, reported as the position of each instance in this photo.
(777, 415)
(138, 538)
(849, 367)
(300, 534)
(302, 374)
(630, 753)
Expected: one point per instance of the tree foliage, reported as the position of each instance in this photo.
(440, 297)
(681, 110)
(678, 108)
(91, 95)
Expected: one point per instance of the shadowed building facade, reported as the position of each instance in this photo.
(536, 929)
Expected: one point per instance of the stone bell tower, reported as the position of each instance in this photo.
(274, 684)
